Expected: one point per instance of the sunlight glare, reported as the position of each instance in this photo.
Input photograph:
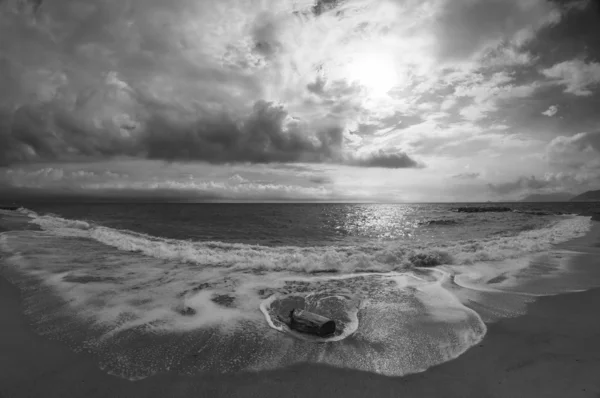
(376, 72)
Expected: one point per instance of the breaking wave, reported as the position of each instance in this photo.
(372, 257)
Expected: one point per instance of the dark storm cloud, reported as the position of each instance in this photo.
(35, 133)
(184, 79)
(393, 160)
(261, 138)
(97, 80)
(44, 133)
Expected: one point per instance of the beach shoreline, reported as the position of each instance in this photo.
(552, 351)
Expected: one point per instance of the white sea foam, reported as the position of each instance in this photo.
(146, 304)
(27, 212)
(369, 257)
(57, 224)
(118, 300)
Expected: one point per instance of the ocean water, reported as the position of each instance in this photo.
(200, 288)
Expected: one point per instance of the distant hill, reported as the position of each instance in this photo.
(548, 197)
(589, 196)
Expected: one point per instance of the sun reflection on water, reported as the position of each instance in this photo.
(386, 222)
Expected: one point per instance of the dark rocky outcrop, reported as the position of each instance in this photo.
(482, 209)
(440, 222)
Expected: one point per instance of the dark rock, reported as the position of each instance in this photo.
(308, 322)
(484, 209)
(441, 222)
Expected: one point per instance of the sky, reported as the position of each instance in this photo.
(277, 100)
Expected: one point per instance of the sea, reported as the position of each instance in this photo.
(205, 288)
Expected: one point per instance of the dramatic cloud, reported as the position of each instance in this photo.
(398, 91)
(266, 135)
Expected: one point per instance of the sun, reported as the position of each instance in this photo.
(376, 72)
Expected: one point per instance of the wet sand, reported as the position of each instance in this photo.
(553, 351)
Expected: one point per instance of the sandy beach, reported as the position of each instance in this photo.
(552, 351)
(284, 198)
